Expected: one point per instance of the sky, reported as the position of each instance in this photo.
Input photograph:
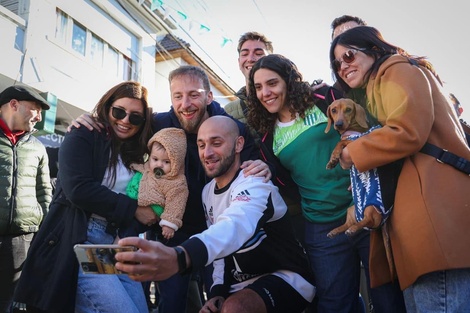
(300, 30)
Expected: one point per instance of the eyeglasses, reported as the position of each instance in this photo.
(348, 57)
(134, 118)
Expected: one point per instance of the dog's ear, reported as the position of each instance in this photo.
(361, 116)
(330, 119)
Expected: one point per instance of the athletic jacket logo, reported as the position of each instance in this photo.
(242, 196)
(209, 213)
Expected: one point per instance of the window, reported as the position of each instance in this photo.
(97, 51)
(61, 27)
(79, 38)
(127, 68)
(112, 64)
(101, 54)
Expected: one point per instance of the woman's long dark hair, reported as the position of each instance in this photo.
(299, 93)
(370, 41)
(133, 149)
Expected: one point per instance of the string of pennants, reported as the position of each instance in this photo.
(183, 18)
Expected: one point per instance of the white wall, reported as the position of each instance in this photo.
(51, 66)
(11, 36)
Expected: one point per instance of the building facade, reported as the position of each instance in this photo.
(73, 51)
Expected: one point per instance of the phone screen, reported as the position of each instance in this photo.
(99, 259)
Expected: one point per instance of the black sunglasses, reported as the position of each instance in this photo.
(348, 57)
(134, 118)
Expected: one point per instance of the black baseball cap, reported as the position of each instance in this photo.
(23, 92)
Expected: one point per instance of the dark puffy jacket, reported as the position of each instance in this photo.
(25, 188)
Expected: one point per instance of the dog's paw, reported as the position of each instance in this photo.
(332, 164)
(334, 159)
(336, 154)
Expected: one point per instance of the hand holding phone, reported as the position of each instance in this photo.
(99, 259)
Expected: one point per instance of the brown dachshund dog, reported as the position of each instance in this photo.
(347, 117)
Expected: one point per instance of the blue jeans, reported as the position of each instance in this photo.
(336, 263)
(440, 292)
(174, 290)
(101, 293)
(173, 293)
(13, 251)
(387, 298)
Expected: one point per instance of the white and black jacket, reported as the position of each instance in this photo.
(250, 234)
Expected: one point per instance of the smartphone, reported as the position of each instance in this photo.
(99, 259)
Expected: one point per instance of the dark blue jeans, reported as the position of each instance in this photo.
(173, 293)
(13, 251)
(336, 263)
(387, 298)
(174, 290)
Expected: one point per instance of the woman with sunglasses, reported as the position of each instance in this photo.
(90, 206)
(429, 224)
(285, 109)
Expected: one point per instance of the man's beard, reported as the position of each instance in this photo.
(225, 165)
(192, 126)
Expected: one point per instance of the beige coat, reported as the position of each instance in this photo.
(430, 223)
(170, 190)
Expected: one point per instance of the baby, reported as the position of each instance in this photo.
(160, 182)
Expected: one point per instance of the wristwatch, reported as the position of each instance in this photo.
(181, 257)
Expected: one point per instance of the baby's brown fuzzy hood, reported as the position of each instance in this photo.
(174, 141)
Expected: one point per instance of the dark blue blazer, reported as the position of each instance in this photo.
(194, 220)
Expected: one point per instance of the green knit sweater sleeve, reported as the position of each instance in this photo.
(132, 191)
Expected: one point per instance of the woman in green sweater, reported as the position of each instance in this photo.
(284, 106)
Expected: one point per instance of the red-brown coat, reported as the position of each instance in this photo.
(430, 223)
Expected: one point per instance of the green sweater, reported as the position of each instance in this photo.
(132, 191)
(304, 149)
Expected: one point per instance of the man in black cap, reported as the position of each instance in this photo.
(25, 188)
